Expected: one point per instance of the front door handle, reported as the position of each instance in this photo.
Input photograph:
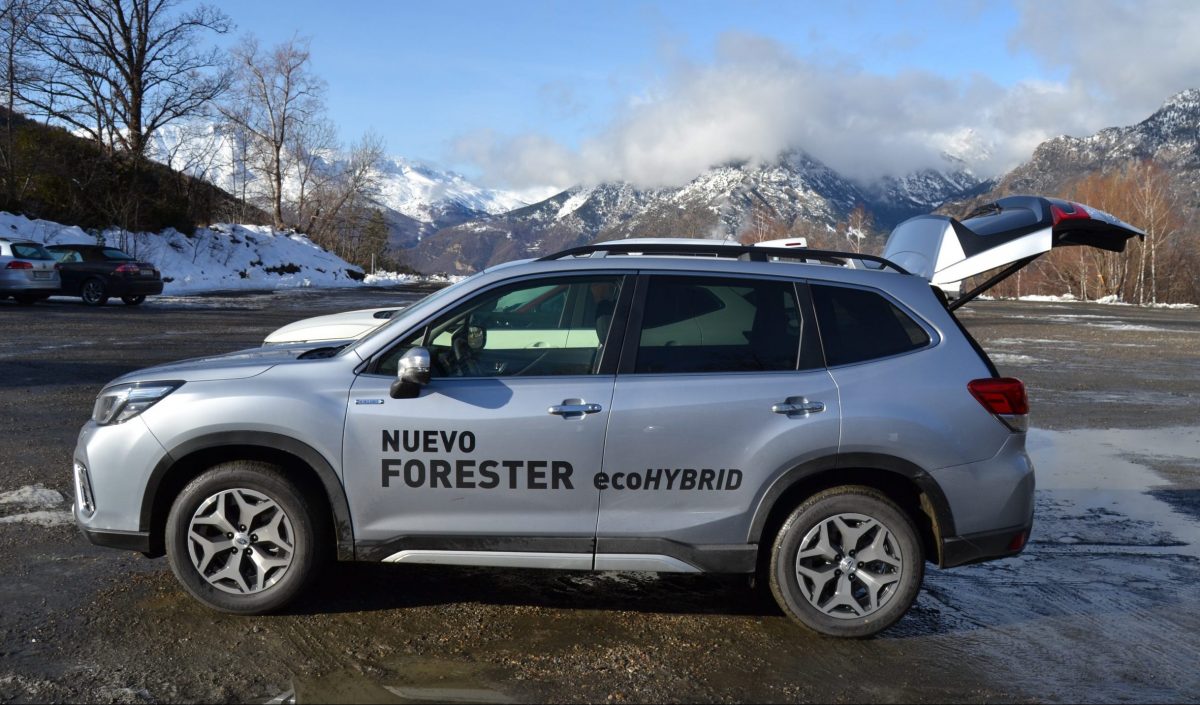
(798, 405)
(574, 408)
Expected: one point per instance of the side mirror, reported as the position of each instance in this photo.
(412, 373)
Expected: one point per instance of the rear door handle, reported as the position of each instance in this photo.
(574, 408)
(798, 405)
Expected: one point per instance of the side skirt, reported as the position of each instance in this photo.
(563, 553)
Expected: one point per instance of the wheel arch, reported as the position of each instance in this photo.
(905, 483)
(300, 461)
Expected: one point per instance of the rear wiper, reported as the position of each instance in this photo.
(986, 209)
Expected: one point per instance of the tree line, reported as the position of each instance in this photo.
(130, 76)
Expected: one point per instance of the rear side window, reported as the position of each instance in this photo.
(111, 253)
(858, 325)
(693, 324)
(25, 250)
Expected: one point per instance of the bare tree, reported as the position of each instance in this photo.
(121, 69)
(18, 19)
(274, 97)
(1154, 206)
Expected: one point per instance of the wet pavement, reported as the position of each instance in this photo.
(1103, 606)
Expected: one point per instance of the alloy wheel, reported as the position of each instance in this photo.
(241, 541)
(849, 565)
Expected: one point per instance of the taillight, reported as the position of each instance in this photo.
(1077, 212)
(1004, 397)
(18, 264)
(127, 269)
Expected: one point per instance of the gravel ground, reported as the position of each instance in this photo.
(1103, 606)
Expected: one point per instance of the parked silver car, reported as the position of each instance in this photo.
(27, 271)
(819, 417)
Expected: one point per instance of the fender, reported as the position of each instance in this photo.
(269, 441)
(853, 461)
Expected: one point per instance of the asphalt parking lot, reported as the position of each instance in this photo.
(1103, 606)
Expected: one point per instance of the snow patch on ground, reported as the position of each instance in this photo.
(1131, 327)
(32, 496)
(40, 518)
(1110, 300)
(1013, 359)
(41, 500)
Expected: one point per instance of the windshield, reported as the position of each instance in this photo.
(418, 307)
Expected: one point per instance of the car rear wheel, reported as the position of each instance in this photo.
(241, 538)
(847, 562)
(94, 293)
(134, 300)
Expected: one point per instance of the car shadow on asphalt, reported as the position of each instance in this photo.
(378, 586)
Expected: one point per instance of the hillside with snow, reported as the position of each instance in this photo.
(416, 198)
(217, 258)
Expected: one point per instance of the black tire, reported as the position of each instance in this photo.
(894, 599)
(134, 300)
(300, 511)
(26, 299)
(94, 292)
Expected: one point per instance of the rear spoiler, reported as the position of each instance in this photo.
(1009, 233)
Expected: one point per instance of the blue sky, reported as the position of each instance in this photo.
(558, 88)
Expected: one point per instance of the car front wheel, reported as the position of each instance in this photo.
(242, 538)
(847, 562)
(134, 300)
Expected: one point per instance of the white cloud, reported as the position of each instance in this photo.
(757, 98)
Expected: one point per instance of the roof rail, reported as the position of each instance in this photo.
(749, 253)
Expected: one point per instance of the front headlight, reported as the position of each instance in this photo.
(124, 401)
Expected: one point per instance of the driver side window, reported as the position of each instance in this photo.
(548, 326)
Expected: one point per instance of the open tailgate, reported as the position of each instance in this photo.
(1008, 233)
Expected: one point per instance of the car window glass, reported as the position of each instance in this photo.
(68, 256)
(858, 325)
(718, 325)
(547, 327)
(26, 250)
(111, 253)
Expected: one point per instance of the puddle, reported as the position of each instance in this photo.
(411, 681)
(1093, 490)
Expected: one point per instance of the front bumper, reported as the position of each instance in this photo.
(125, 540)
(118, 461)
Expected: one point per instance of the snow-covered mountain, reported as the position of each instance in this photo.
(1170, 137)
(721, 202)
(417, 199)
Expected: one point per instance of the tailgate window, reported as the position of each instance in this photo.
(858, 325)
(29, 250)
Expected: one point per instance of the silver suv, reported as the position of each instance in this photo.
(651, 405)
